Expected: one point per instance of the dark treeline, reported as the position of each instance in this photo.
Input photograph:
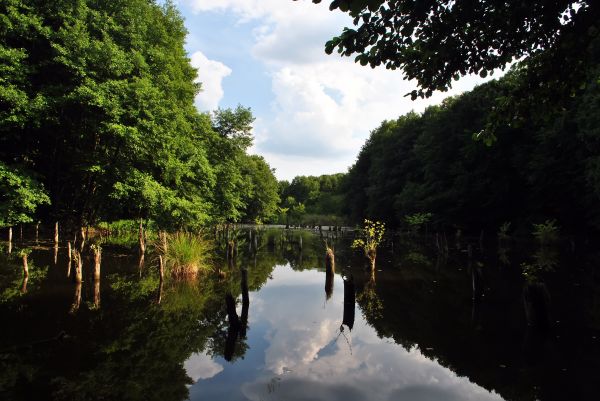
(542, 166)
(97, 122)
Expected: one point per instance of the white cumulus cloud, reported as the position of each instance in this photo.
(210, 74)
(323, 106)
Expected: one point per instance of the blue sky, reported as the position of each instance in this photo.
(313, 111)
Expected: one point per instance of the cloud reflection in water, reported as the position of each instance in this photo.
(306, 358)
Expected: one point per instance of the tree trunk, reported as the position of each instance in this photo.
(245, 303)
(9, 235)
(141, 238)
(329, 260)
(56, 233)
(372, 255)
(161, 268)
(97, 261)
(83, 238)
(233, 330)
(141, 264)
(78, 267)
(69, 249)
(76, 298)
(97, 292)
(37, 231)
(349, 302)
(21, 232)
(55, 254)
(24, 285)
(25, 267)
(163, 239)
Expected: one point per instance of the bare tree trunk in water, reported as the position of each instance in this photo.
(78, 267)
(349, 302)
(234, 328)
(231, 250)
(76, 298)
(83, 238)
(55, 254)
(163, 239)
(141, 264)
(56, 233)
(161, 267)
(69, 250)
(328, 284)
(97, 261)
(24, 285)
(97, 292)
(69, 268)
(25, 267)
(245, 303)
(372, 255)
(9, 235)
(329, 260)
(329, 271)
(161, 272)
(141, 238)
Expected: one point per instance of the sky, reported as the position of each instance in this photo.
(313, 111)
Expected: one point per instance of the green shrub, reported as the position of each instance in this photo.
(546, 232)
(417, 220)
(186, 255)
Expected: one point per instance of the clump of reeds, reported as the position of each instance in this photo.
(185, 255)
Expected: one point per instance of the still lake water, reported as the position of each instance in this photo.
(279, 327)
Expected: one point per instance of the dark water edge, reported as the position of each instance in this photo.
(434, 327)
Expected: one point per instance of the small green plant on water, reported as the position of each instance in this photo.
(186, 255)
(371, 236)
(503, 230)
(546, 232)
(23, 252)
(544, 260)
(417, 220)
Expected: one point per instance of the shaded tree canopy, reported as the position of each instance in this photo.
(544, 167)
(435, 41)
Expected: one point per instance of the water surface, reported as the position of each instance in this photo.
(279, 327)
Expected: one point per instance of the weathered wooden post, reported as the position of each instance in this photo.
(142, 240)
(78, 267)
(97, 260)
(25, 265)
(83, 238)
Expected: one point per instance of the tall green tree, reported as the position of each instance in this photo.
(97, 98)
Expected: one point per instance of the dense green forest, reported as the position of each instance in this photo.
(521, 149)
(97, 122)
(541, 167)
